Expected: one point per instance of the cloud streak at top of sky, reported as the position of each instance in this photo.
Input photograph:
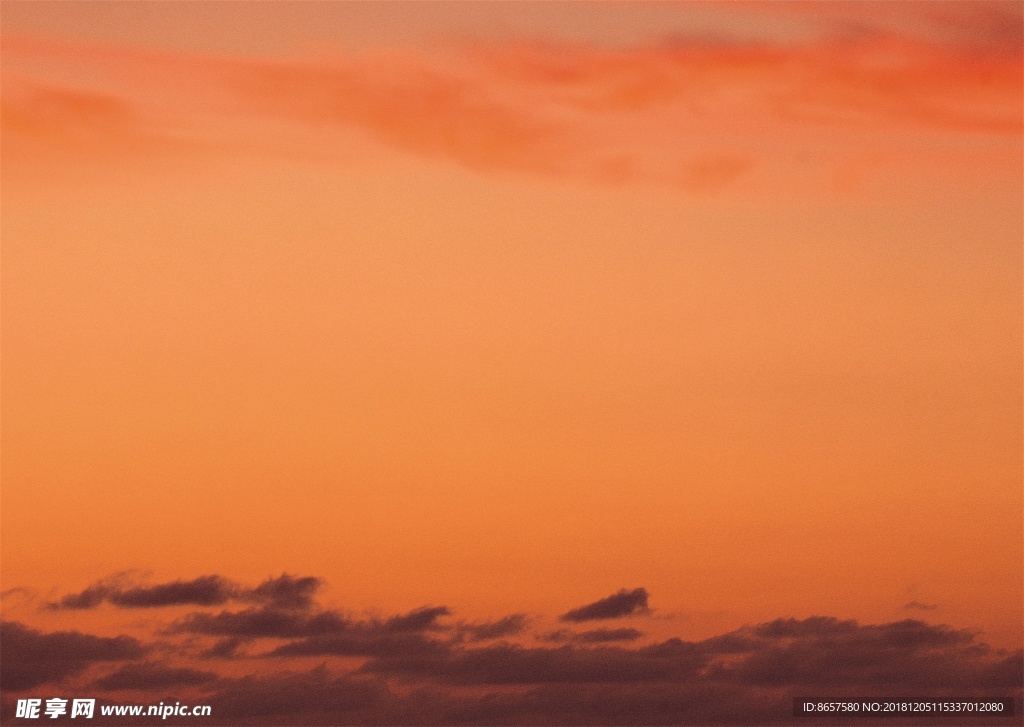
(683, 111)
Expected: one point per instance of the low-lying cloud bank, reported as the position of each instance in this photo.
(277, 656)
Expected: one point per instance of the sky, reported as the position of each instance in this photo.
(508, 362)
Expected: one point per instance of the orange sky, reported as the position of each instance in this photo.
(509, 306)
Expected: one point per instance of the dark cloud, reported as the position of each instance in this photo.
(153, 676)
(209, 590)
(287, 591)
(323, 696)
(283, 592)
(322, 632)
(506, 626)
(223, 649)
(369, 640)
(314, 697)
(817, 652)
(506, 664)
(1006, 673)
(31, 657)
(734, 642)
(407, 635)
(680, 703)
(623, 603)
(266, 622)
(594, 636)
(822, 652)
(91, 597)
(419, 668)
(918, 606)
(319, 697)
(419, 620)
(319, 633)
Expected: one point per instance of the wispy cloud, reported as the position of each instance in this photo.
(695, 113)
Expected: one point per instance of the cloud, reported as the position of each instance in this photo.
(878, 78)
(918, 606)
(420, 619)
(282, 592)
(286, 591)
(209, 590)
(31, 657)
(326, 631)
(821, 652)
(91, 597)
(506, 626)
(223, 649)
(321, 632)
(153, 676)
(367, 640)
(981, 25)
(416, 668)
(320, 697)
(313, 697)
(508, 664)
(203, 591)
(704, 115)
(262, 622)
(618, 605)
(679, 703)
(26, 593)
(817, 652)
(595, 636)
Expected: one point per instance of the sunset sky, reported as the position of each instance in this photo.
(509, 308)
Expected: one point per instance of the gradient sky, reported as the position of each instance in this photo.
(509, 306)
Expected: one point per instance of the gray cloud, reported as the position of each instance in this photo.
(314, 697)
(153, 676)
(420, 619)
(283, 592)
(286, 591)
(31, 657)
(418, 668)
(594, 636)
(506, 626)
(209, 590)
(266, 622)
(623, 603)
(506, 664)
